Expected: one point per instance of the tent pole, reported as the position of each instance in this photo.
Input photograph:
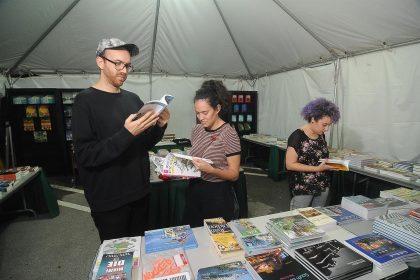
(152, 56)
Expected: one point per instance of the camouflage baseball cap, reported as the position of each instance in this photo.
(114, 43)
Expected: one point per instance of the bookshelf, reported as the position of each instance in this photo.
(244, 111)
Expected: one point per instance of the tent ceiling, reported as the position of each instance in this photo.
(232, 38)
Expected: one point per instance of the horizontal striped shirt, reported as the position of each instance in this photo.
(216, 145)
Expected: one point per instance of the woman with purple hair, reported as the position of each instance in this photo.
(309, 180)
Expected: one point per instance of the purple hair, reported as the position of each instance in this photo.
(319, 108)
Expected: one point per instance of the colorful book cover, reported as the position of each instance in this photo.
(169, 238)
(225, 243)
(244, 108)
(379, 248)
(40, 136)
(217, 225)
(228, 271)
(248, 98)
(295, 226)
(46, 124)
(245, 227)
(278, 264)
(173, 263)
(260, 242)
(31, 112)
(115, 266)
(234, 98)
(340, 214)
(316, 217)
(236, 108)
(240, 98)
(28, 125)
(333, 259)
(43, 111)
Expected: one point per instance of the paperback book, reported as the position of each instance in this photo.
(320, 219)
(339, 164)
(277, 264)
(363, 206)
(244, 227)
(341, 215)
(155, 105)
(115, 266)
(333, 260)
(169, 264)
(169, 238)
(233, 270)
(380, 250)
(177, 165)
(217, 225)
(256, 244)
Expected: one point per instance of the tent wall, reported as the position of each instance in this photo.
(378, 95)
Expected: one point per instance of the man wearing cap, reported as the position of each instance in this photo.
(112, 145)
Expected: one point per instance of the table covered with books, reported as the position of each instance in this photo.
(306, 243)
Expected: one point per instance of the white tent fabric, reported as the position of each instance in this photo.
(285, 49)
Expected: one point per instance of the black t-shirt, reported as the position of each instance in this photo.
(309, 152)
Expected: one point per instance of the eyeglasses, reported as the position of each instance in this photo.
(120, 65)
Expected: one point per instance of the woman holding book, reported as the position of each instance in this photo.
(309, 180)
(213, 138)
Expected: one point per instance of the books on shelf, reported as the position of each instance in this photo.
(333, 260)
(294, 230)
(341, 215)
(223, 239)
(244, 227)
(339, 164)
(382, 251)
(400, 228)
(155, 105)
(169, 238)
(115, 266)
(363, 206)
(320, 219)
(277, 264)
(233, 270)
(119, 246)
(177, 165)
(169, 264)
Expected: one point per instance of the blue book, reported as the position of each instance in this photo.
(115, 266)
(341, 215)
(259, 243)
(169, 238)
(379, 249)
(233, 270)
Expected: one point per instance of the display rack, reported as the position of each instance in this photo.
(244, 111)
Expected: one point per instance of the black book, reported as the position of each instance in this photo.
(277, 264)
(333, 260)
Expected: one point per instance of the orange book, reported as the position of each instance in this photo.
(340, 164)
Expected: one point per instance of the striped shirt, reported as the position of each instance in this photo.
(216, 145)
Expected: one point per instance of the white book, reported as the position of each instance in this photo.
(155, 105)
(320, 219)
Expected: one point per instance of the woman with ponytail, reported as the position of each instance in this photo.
(213, 138)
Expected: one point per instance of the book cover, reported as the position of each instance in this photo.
(46, 124)
(236, 108)
(173, 263)
(155, 105)
(31, 112)
(341, 215)
(169, 238)
(262, 241)
(228, 271)
(244, 108)
(340, 164)
(332, 259)
(316, 217)
(249, 118)
(295, 226)
(43, 111)
(245, 227)
(28, 125)
(115, 266)
(379, 248)
(278, 264)
(177, 165)
(217, 225)
(240, 98)
(240, 118)
(40, 136)
(248, 98)
(225, 243)
(234, 98)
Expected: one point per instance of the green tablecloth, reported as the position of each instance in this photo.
(167, 201)
(276, 163)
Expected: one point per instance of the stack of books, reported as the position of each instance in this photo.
(333, 260)
(363, 206)
(404, 194)
(341, 215)
(320, 219)
(360, 160)
(233, 270)
(277, 264)
(170, 264)
(382, 251)
(394, 205)
(122, 253)
(252, 240)
(399, 228)
(223, 239)
(294, 231)
(169, 238)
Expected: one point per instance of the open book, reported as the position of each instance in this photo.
(155, 105)
(340, 164)
(177, 165)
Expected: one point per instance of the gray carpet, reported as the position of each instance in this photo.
(64, 247)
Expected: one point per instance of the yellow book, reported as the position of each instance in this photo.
(339, 164)
(225, 243)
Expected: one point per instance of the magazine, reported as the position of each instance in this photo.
(155, 105)
(115, 266)
(233, 270)
(177, 165)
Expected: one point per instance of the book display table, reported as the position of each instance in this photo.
(36, 196)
